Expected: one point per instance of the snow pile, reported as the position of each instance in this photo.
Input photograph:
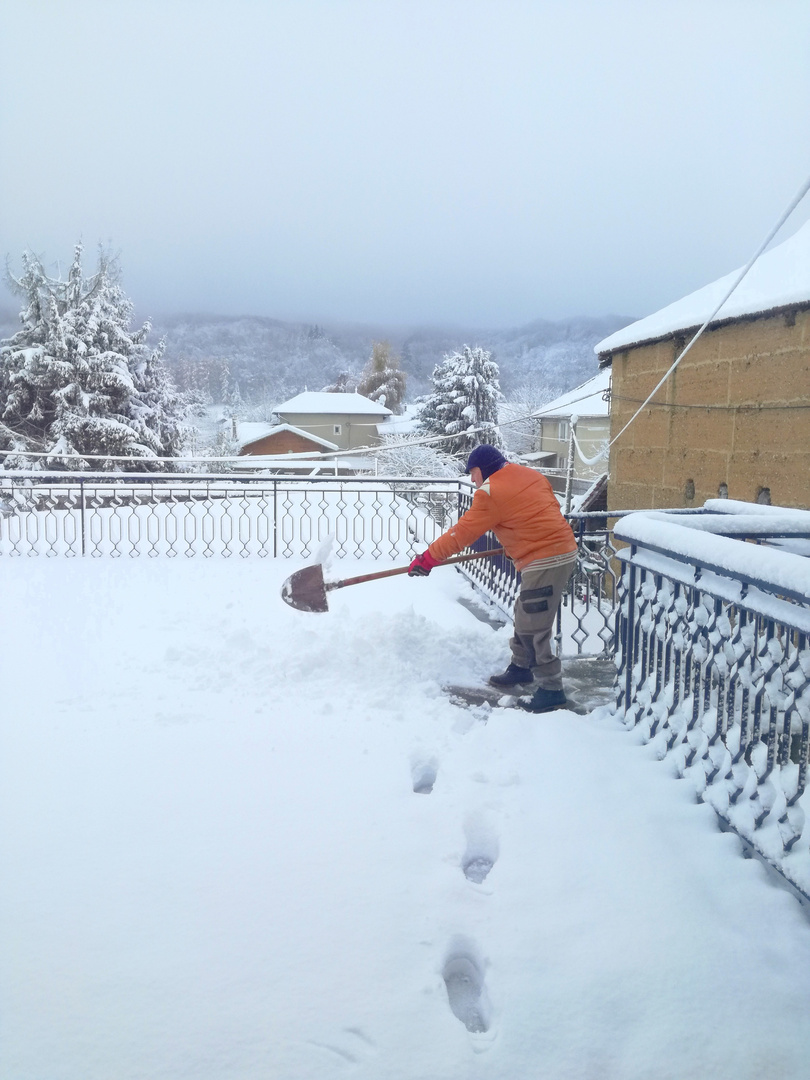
(242, 841)
(778, 278)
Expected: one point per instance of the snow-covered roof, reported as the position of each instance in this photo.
(312, 466)
(248, 432)
(406, 424)
(268, 429)
(588, 399)
(312, 401)
(777, 279)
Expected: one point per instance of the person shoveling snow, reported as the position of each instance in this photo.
(518, 505)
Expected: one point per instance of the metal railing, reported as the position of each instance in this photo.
(587, 616)
(713, 658)
(95, 515)
(271, 517)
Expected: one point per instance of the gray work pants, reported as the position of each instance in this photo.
(535, 611)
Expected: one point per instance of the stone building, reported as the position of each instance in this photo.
(734, 417)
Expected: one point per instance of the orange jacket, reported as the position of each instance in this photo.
(518, 505)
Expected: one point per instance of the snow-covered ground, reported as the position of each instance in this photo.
(215, 863)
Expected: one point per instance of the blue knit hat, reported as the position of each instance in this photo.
(486, 458)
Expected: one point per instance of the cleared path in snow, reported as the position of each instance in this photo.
(241, 841)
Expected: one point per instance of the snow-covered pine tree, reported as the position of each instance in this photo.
(464, 401)
(194, 393)
(76, 380)
(158, 409)
(382, 380)
(225, 382)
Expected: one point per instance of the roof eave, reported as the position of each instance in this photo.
(687, 332)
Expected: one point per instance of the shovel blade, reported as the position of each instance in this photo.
(305, 589)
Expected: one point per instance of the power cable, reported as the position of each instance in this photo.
(797, 198)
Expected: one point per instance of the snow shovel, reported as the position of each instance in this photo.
(306, 590)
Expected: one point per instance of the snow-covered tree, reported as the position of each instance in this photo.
(192, 381)
(76, 380)
(464, 401)
(382, 380)
(518, 425)
(408, 455)
(343, 383)
(225, 384)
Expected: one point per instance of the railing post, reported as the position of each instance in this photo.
(629, 631)
(569, 472)
(81, 512)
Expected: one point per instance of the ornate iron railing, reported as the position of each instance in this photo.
(96, 515)
(713, 659)
(277, 517)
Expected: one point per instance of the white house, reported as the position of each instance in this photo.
(350, 421)
(587, 404)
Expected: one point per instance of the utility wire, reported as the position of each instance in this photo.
(712, 408)
(426, 440)
(797, 198)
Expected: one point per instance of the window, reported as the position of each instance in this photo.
(336, 429)
(562, 429)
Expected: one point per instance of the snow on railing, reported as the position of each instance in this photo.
(713, 659)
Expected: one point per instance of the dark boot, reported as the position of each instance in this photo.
(544, 701)
(513, 676)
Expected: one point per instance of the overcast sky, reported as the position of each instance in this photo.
(427, 161)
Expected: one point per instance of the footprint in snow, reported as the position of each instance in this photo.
(481, 852)
(463, 976)
(423, 775)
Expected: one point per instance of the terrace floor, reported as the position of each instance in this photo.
(242, 841)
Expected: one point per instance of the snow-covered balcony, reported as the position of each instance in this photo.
(242, 840)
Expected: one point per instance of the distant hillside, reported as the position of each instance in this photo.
(9, 322)
(265, 360)
(269, 357)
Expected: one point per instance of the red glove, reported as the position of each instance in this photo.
(422, 565)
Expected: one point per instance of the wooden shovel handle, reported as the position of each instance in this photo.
(404, 569)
